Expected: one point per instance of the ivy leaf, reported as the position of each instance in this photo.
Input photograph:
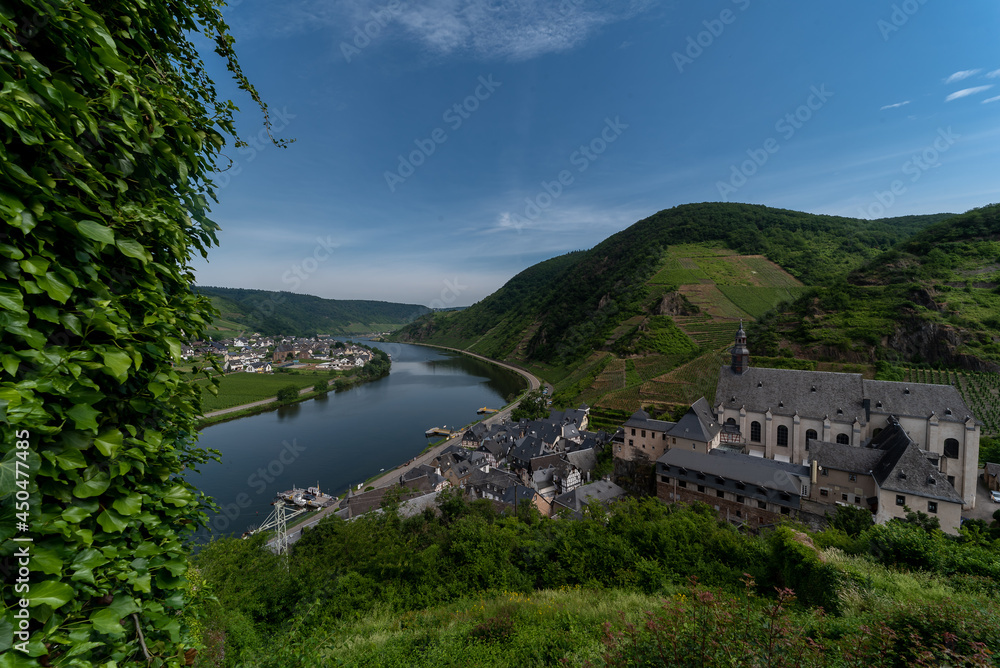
(11, 299)
(117, 363)
(133, 249)
(111, 521)
(178, 496)
(70, 458)
(109, 442)
(96, 231)
(75, 514)
(46, 561)
(107, 619)
(129, 505)
(50, 592)
(88, 558)
(54, 286)
(9, 469)
(35, 265)
(10, 363)
(84, 416)
(93, 487)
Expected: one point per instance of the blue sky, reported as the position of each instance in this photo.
(443, 146)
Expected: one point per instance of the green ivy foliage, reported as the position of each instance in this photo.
(111, 134)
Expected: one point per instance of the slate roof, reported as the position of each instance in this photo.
(814, 394)
(518, 493)
(766, 473)
(697, 424)
(843, 457)
(641, 420)
(917, 400)
(585, 460)
(904, 468)
(602, 491)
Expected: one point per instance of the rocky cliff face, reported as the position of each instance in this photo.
(935, 343)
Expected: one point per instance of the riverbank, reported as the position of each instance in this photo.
(272, 403)
(429, 454)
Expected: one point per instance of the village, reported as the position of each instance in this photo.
(265, 354)
(778, 444)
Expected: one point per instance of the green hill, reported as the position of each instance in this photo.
(273, 313)
(640, 317)
(933, 299)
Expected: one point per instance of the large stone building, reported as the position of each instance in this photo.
(779, 413)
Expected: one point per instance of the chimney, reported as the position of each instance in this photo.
(813, 471)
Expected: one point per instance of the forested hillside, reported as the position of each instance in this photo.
(934, 298)
(273, 313)
(560, 310)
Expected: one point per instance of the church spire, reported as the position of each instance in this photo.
(741, 354)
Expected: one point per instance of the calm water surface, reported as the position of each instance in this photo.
(345, 437)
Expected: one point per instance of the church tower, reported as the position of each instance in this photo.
(741, 354)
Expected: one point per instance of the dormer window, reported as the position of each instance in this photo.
(906, 390)
(760, 384)
(840, 411)
(812, 389)
(878, 404)
(947, 411)
(931, 480)
(781, 404)
(902, 475)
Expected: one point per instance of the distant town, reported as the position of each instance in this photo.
(264, 354)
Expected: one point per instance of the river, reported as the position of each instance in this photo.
(344, 438)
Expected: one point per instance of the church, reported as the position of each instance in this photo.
(782, 414)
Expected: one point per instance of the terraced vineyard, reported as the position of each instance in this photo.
(757, 300)
(979, 389)
(708, 333)
(726, 288)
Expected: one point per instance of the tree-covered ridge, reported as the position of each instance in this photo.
(559, 311)
(273, 313)
(933, 298)
(111, 133)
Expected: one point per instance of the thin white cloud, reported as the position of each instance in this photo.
(510, 29)
(962, 75)
(965, 92)
(995, 74)
(893, 106)
(492, 29)
(991, 99)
